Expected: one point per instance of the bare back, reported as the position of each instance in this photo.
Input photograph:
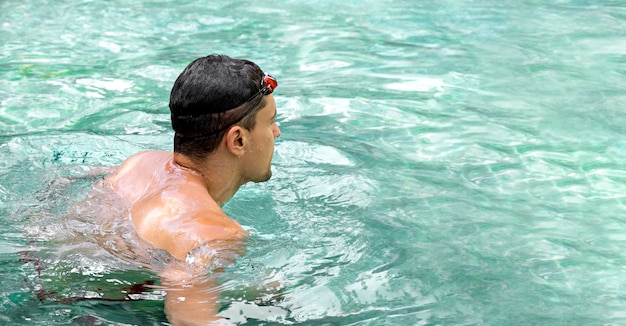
(170, 206)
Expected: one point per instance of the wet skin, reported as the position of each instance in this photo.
(175, 206)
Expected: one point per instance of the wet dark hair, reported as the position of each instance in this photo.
(212, 94)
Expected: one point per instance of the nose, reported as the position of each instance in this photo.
(276, 131)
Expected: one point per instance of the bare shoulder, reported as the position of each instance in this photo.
(143, 160)
(134, 175)
(183, 219)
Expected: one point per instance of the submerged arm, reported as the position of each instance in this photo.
(194, 302)
(192, 290)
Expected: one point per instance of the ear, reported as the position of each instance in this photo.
(236, 140)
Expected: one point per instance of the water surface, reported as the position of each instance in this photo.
(441, 162)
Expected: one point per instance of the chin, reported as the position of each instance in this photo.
(263, 178)
(267, 176)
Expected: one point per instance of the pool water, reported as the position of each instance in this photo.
(441, 162)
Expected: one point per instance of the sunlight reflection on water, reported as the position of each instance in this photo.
(440, 162)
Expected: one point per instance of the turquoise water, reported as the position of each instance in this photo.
(441, 162)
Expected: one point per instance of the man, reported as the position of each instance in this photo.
(222, 112)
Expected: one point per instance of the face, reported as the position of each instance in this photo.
(261, 145)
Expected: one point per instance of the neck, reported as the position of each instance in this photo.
(219, 178)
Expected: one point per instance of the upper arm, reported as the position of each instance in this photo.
(211, 247)
(203, 260)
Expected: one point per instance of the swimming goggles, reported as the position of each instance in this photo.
(268, 84)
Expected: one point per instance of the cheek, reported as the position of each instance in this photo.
(269, 143)
(270, 137)
(265, 144)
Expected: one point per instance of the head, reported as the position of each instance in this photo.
(225, 104)
(210, 96)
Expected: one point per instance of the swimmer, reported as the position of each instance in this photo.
(223, 115)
